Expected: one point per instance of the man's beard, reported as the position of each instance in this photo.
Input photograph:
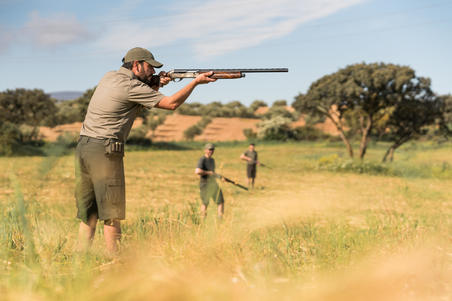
(144, 78)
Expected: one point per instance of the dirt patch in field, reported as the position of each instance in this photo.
(227, 129)
(173, 128)
(52, 134)
(220, 129)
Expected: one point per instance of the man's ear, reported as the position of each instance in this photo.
(136, 65)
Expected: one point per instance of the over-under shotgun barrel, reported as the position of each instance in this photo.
(252, 70)
(220, 73)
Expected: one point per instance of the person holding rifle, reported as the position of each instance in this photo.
(208, 186)
(99, 169)
(250, 156)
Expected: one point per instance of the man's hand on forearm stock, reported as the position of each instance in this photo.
(204, 78)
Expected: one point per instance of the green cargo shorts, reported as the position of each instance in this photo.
(100, 185)
(251, 171)
(211, 190)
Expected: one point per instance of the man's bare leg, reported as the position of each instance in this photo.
(86, 232)
(203, 210)
(220, 210)
(252, 182)
(112, 234)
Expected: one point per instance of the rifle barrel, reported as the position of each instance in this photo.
(235, 183)
(252, 70)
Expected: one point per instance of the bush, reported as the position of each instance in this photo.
(276, 128)
(69, 139)
(197, 129)
(309, 133)
(10, 137)
(155, 118)
(281, 111)
(280, 103)
(28, 133)
(137, 136)
(192, 131)
(249, 134)
(337, 164)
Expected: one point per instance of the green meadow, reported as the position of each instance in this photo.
(317, 226)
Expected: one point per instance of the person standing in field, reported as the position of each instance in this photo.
(250, 156)
(208, 186)
(99, 168)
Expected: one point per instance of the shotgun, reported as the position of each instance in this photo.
(231, 181)
(180, 74)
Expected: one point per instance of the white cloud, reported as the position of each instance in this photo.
(216, 27)
(54, 31)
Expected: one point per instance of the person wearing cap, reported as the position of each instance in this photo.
(117, 99)
(250, 156)
(208, 186)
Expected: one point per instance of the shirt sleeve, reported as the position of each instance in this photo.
(143, 94)
(200, 164)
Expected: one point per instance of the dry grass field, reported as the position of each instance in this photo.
(308, 231)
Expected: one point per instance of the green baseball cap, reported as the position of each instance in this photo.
(209, 146)
(141, 54)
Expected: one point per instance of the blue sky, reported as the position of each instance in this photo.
(69, 45)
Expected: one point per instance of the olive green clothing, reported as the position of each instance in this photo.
(251, 170)
(211, 190)
(117, 100)
(100, 185)
(207, 164)
(141, 54)
(251, 167)
(252, 155)
(208, 186)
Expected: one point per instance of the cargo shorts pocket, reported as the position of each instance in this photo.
(115, 191)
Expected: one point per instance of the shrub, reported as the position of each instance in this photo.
(192, 131)
(309, 133)
(276, 128)
(337, 164)
(249, 134)
(137, 136)
(10, 136)
(197, 129)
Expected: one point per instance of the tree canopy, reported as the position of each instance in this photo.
(366, 94)
(23, 106)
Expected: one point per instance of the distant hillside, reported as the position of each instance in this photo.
(65, 95)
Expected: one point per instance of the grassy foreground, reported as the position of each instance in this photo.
(314, 228)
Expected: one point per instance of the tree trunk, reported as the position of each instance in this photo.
(365, 130)
(339, 127)
(390, 152)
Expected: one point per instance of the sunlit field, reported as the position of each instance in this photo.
(316, 227)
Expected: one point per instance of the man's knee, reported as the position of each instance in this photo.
(112, 222)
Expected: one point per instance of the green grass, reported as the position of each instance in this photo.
(308, 228)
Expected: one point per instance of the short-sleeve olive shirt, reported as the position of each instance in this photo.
(117, 100)
(206, 164)
(252, 155)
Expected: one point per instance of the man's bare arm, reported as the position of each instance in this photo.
(174, 101)
(202, 172)
(243, 157)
